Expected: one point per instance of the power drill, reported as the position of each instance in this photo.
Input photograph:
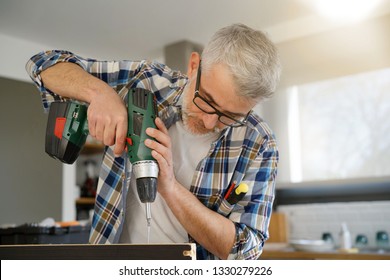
(67, 131)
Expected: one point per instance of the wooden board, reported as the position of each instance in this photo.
(278, 228)
(185, 251)
(288, 253)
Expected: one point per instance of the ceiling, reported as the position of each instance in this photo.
(119, 29)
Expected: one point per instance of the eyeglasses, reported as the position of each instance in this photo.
(207, 108)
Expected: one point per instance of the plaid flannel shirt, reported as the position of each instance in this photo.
(245, 154)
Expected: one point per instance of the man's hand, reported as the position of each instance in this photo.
(162, 152)
(107, 120)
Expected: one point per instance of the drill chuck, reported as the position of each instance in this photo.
(145, 173)
(145, 168)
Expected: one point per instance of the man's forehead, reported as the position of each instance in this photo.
(218, 85)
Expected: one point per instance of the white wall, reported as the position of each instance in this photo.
(30, 181)
(347, 50)
(14, 53)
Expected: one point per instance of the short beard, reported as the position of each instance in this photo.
(195, 126)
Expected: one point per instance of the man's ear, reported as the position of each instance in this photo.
(193, 64)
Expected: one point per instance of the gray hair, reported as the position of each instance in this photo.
(251, 57)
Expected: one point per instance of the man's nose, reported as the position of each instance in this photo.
(210, 120)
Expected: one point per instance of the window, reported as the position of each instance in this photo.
(340, 128)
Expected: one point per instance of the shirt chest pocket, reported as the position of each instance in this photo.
(222, 206)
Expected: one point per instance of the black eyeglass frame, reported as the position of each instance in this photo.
(237, 123)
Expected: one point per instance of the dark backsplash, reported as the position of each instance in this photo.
(333, 191)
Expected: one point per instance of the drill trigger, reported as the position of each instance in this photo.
(129, 141)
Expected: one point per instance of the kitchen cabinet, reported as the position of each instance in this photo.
(92, 148)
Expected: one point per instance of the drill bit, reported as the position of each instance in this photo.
(148, 218)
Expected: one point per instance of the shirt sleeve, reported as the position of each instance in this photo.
(116, 73)
(251, 216)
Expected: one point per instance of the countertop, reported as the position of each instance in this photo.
(282, 251)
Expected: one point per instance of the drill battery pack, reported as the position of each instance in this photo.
(66, 131)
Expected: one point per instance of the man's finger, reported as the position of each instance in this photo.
(161, 126)
(120, 139)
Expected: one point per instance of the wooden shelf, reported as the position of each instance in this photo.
(92, 148)
(284, 252)
(85, 201)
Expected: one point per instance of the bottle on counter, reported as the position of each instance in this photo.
(345, 237)
(382, 239)
(327, 237)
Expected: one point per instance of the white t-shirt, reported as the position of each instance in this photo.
(188, 150)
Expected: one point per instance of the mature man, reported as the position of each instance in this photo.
(207, 139)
